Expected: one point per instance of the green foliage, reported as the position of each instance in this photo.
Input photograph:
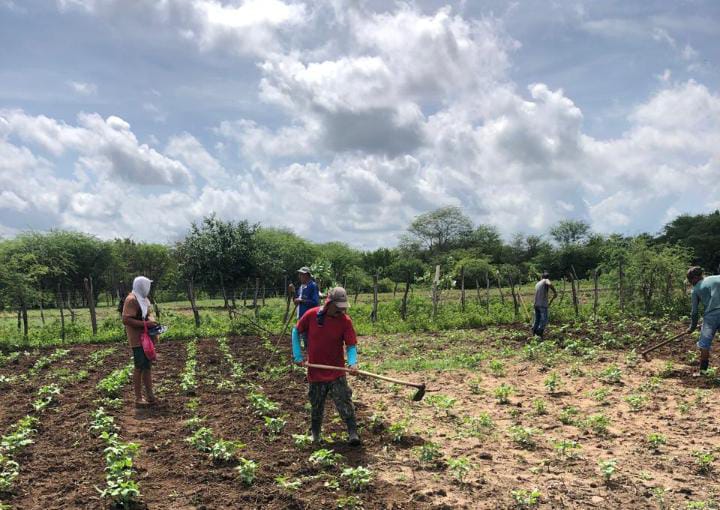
(202, 439)
(567, 448)
(611, 375)
(552, 382)
(523, 436)
(607, 469)
(274, 426)
(429, 453)
(325, 458)
(288, 485)
(357, 478)
(704, 461)
(568, 415)
(524, 498)
(459, 468)
(224, 450)
(655, 440)
(111, 385)
(188, 379)
(503, 392)
(441, 403)
(598, 423)
(261, 404)
(246, 470)
(351, 502)
(302, 440)
(398, 430)
(539, 407)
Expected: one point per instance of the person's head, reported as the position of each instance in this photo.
(336, 302)
(304, 274)
(141, 286)
(545, 275)
(694, 274)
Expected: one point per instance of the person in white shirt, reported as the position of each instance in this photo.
(542, 289)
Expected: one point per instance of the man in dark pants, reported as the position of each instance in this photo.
(706, 290)
(329, 329)
(541, 303)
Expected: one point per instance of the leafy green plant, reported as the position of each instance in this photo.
(600, 394)
(611, 375)
(325, 458)
(503, 392)
(202, 439)
(459, 468)
(567, 448)
(523, 436)
(302, 440)
(598, 423)
(568, 415)
(398, 430)
(224, 450)
(636, 402)
(9, 471)
(351, 502)
(497, 367)
(246, 470)
(441, 403)
(188, 379)
(274, 426)
(111, 385)
(288, 485)
(607, 469)
(704, 461)
(655, 441)
(261, 404)
(539, 407)
(526, 498)
(357, 478)
(478, 426)
(429, 453)
(552, 383)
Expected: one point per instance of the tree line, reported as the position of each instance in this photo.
(240, 260)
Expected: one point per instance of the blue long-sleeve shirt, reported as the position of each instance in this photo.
(706, 291)
(310, 296)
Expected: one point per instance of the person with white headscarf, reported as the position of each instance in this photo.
(135, 316)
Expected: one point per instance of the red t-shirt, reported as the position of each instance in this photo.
(325, 343)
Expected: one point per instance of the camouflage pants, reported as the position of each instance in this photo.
(341, 394)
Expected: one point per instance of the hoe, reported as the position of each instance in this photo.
(420, 386)
(647, 351)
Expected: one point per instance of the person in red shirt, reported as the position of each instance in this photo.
(328, 329)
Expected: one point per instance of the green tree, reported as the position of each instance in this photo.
(701, 233)
(567, 232)
(439, 229)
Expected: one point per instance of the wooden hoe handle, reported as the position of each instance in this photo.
(367, 374)
(664, 342)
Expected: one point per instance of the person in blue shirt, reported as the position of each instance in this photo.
(706, 290)
(307, 296)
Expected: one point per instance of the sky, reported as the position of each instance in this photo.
(342, 120)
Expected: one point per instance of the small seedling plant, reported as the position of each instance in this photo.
(224, 450)
(441, 403)
(325, 458)
(261, 404)
(607, 469)
(655, 441)
(111, 386)
(398, 430)
(429, 453)
(459, 468)
(503, 392)
(302, 440)
(525, 498)
(246, 470)
(704, 461)
(552, 383)
(567, 448)
(523, 436)
(188, 379)
(274, 426)
(611, 375)
(357, 478)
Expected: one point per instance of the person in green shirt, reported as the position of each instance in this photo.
(706, 290)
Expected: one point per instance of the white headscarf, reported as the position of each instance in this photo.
(141, 289)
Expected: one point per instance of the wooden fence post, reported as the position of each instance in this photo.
(487, 292)
(193, 305)
(256, 296)
(290, 294)
(462, 288)
(502, 297)
(516, 304)
(59, 300)
(574, 295)
(40, 303)
(403, 308)
(373, 313)
(595, 299)
(91, 303)
(435, 293)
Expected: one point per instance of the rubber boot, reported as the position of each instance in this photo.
(353, 437)
(315, 429)
(704, 364)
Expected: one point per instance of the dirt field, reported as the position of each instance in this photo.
(458, 448)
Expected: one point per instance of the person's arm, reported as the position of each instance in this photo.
(552, 288)
(694, 314)
(130, 310)
(350, 339)
(314, 294)
(301, 327)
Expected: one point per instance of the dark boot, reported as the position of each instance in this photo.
(315, 429)
(704, 364)
(353, 437)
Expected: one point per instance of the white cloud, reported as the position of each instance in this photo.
(189, 150)
(83, 88)
(108, 147)
(246, 27)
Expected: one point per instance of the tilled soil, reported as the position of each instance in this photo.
(64, 468)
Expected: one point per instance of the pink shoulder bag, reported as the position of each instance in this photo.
(147, 344)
